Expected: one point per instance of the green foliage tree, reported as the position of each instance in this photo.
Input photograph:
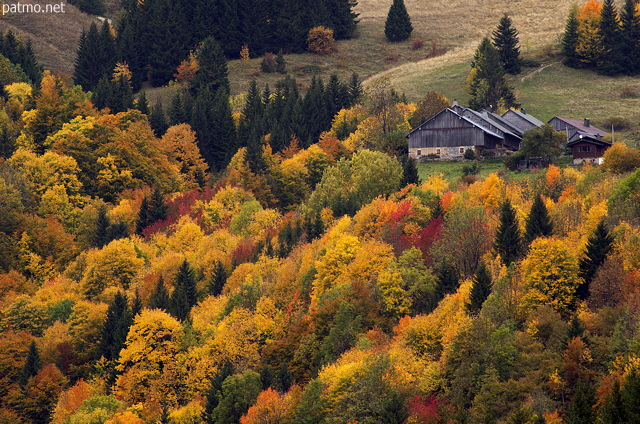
(32, 364)
(611, 58)
(185, 294)
(580, 409)
(238, 393)
(116, 326)
(539, 222)
(409, 171)
(398, 24)
(158, 120)
(487, 85)
(508, 240)
(480, 290)
(212, 70)
(505, 40)
(598, 246)
(160, 297)
(342, 335)
(214, 394)
(570, 38)
(543, 142)
(218, 280)
(630, 33)
(142, 104)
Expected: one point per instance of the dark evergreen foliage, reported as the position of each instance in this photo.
(142, 104)
(281, 64)
(157, 119)
(580, 409)
(215, 390)
(398, 24)
(7, 142)
(409, 171)
(21, 53)
(32, 364)
(218, 280)
(481, 288)
(185, 294)
(283, 379)
(508, 240)
(355, 89)
(152, 210)
(160, 297)
(342, 335)
(598, 246)
(267, 377)
(448, 279)
(630, 36)
(96, 57)
(115, 328)
(92, 7)
(505, 40)
(177, 112)
(102, 226)
(570, 39)
(613, 410)
(212, 71)
(488, 87)
(611, 39)
(539, 223)
(143, 213)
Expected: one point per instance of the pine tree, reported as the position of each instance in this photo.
(143, 216)
(570, 38)
(448, 279)
(7, 142)
(343, 19)
(215, 390)
(487, 84)
(157, 119)
(115, 328)
(218, 280)
(580, 409)
(157, 207)
(480, 290)
(88, 68)
(508, 241)
(32, 364)
(409, 171)
(160, 297)
(631, 395)
(142, 104)
(598, 246)
(102, 226)
(630, 33)
(281, 64)
(176, 111)
(398, 25)
(212, 71)
(505, 40)
(185, 295)
(611, 58)
(103, 94)
(613, 410)
(355, 90)
(538, 223)
(122, 98)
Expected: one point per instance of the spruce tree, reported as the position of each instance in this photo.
(185, 295)
(538, 223)
(88, 68)
(122, 98)
(505, 40)
(32, 364)
(212, 71)
(355, 90)
(598, 246)
(480, 290)
(218, 280)
(214, 394)
(508, 241)
(488, 86)
(409, 171)
(398, 25)
(611, 58)
(281, 64)
(142, 104)
(103, 94)
(143, 216)
(630, 33)
(176, 111)
(115, 328)
(570, 38)
(613, 409)
(7, 142)
(157, 119)
(102, 226)
(157, 207)
(631, 395)
(448, 279)
(580, 409)
(160, 297)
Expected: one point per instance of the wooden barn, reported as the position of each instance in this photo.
(452, 131)
(587, 148)
(573, 128)
(520, 119)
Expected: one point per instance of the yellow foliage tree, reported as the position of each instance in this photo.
(183, 149)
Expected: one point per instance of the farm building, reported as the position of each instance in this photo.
(520, 119)
(585, 140)
(573, 128)
(452, 131)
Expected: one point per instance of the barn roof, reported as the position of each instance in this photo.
(449, 110)
(530, 118)
(580, 126)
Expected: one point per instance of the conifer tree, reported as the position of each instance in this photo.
(103, 94)
(570, 38)
(88, 68)
(142, 104)
(630, 34)
(32, 364)
(157, 119)
(409, 171)
(580, 409)
(398, 25)
(185, 295)
(160, 297)
(538, 223)
(214, 394)
(448, 279)
(611, 58)
(176, 111)
(613, 409)
(102, 226)
(143, 216)
(212, 71)
(157, 207)
(508, 241)
(115, 328)
(505, 40)
(481, 288)
(281, 64)
(7, 142)
(355, 90)
(487, 84)
(598, 246)
(630, 395)
(218, 280)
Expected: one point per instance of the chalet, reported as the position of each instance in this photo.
(587, 148)
(452, 131)
(584, 140)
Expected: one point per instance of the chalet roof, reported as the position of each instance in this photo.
(494, 117)
(582, 137)
(530, 118)
(489, 118)
(580, 126)
(449, 110)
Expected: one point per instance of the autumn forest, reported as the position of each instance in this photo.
(275, 256)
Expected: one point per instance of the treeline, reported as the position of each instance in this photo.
(599, 37)
(154, 36)
(20, 54)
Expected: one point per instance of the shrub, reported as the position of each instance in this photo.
(268, 63)
(469, 154)
(618, 123)
(470, 169)
(629, 93)
(621, 158)
(417, 44)
(530, 63)
(320, 40)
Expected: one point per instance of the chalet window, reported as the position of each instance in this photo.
(584, 148)
(419, 152)
(462, 150)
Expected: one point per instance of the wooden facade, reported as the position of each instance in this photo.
(586, 148)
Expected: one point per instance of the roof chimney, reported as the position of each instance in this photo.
(524, 112)
(587, 122)
(455, 102)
